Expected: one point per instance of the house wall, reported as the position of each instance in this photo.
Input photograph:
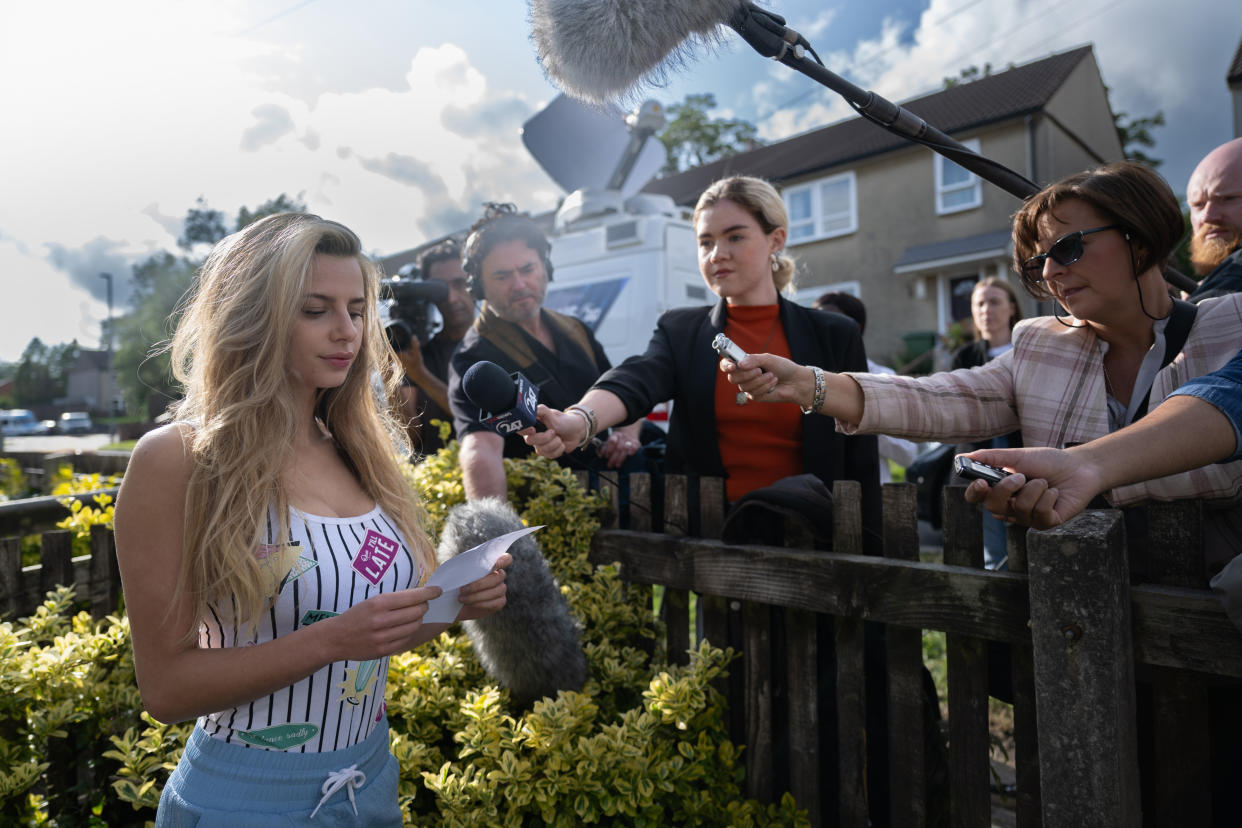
(1076, 130)
(897, 210)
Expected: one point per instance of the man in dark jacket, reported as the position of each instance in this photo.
(1215, 198)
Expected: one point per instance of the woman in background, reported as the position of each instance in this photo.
(993, 311)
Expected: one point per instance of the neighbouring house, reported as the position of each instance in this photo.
(90, 386)
(903, 228)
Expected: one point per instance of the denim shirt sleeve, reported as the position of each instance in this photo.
(1223, 389)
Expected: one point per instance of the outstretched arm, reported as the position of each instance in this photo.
(566, 430)
(770, 378)
(1052, 485)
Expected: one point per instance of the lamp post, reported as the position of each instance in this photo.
(108, 345)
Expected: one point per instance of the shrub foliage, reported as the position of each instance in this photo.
(642, 743)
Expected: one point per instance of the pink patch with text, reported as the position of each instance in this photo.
(375, 556)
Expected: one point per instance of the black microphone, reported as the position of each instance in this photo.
(532, 647)
(506, 401)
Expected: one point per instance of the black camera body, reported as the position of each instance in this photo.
(411, 309)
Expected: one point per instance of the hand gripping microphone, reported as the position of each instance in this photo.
(506, 401)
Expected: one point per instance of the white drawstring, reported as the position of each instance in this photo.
(347, 778)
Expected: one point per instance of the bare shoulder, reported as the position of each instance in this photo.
(158, 469)
(164, 450)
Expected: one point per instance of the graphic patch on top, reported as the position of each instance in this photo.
(375, 556)
(280, 737)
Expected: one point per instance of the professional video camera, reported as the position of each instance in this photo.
(411, 304)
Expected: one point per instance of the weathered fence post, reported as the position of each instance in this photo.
(906, 734)
(676, 607)
(57, 566)
(1084, 672)
(105, 576)
(852, 805)
(1180, 704)
(10, 577)
(967, 660)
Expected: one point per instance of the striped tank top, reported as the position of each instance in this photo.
(328, 565)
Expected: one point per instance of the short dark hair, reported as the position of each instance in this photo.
(1130, 195)
(448, 249)
(846, 303)
(501, 222)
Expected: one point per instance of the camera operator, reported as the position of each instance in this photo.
(426, 366)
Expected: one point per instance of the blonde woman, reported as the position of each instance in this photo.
(741, 226)
(270, 550)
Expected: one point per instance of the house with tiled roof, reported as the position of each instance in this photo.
(903, 228)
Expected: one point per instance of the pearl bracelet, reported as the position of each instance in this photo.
(818, 402)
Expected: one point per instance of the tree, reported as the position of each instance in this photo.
(43, 373)
(143, 366)
(692, 138)
(1135, 133)
(280, 204)
(143, 371)
(203, 225)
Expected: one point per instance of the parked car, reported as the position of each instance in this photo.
(75, 422)
(18, 422)
(50, 426)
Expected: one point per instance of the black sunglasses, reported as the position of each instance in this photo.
(1064, 251)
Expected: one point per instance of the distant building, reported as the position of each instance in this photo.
(905, 229)
(89, 387)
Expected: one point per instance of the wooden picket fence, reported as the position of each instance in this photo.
(1077, 626)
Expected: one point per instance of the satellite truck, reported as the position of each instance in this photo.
(621, 257)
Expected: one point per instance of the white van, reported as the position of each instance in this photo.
(19, 422)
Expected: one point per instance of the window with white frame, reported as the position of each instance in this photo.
(957, 188)
(822, 209)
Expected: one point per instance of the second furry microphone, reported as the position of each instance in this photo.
(532, 647)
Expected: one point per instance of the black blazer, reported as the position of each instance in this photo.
(679, 364)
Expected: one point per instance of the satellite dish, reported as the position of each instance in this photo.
(582, 147)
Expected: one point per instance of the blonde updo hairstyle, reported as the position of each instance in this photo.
(230, 351)
(764, 203)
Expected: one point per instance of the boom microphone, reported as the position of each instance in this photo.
(598, 50)
(532, 646)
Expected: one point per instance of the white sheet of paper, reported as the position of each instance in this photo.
(463, 569)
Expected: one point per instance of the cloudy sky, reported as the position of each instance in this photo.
(399, 118)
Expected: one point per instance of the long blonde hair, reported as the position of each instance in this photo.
(230, 353)
(764, 203)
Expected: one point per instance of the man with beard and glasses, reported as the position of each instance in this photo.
(1215, 198)
(507, 259)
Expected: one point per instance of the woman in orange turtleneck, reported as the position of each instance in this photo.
(741, 225)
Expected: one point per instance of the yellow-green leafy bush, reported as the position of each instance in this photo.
(642, 743)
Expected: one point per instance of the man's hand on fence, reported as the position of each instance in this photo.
(1048, 486)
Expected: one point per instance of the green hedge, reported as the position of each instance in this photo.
(643, 742)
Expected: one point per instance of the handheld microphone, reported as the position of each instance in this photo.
(532, 647)
(506, 401)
